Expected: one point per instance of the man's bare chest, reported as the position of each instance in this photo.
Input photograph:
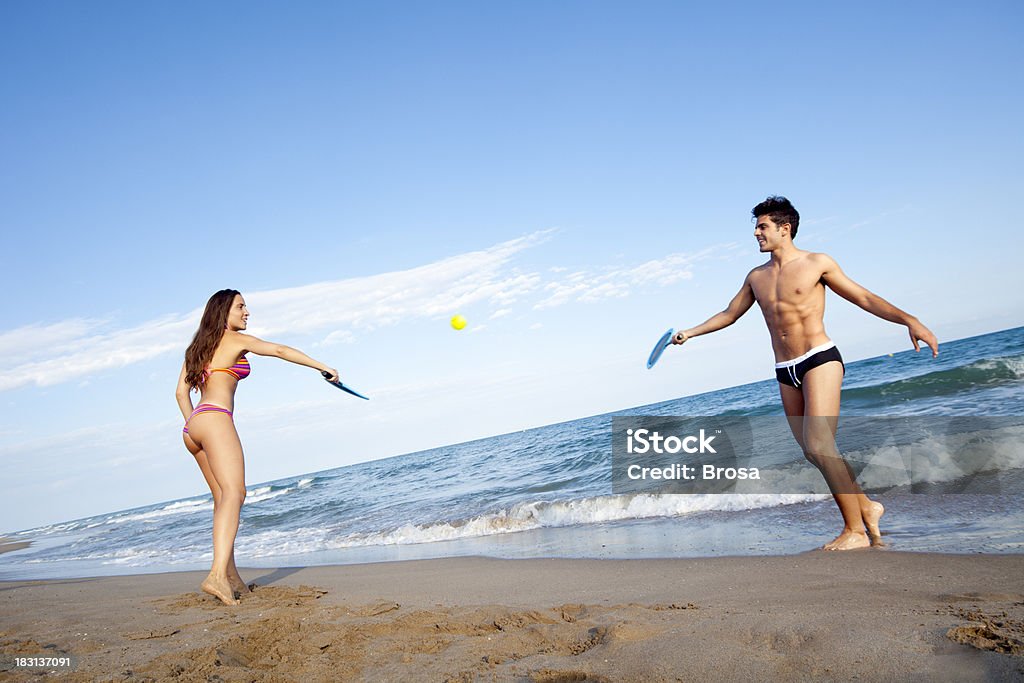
(786, 285)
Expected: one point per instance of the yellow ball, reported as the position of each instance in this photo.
(458, 322)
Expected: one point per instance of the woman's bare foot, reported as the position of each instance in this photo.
(849, 540)
(239, 586)
(871, 516)
(219, 588)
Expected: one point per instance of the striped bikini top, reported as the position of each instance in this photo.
(239, 370)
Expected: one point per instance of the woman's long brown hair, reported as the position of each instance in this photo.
(208, 336)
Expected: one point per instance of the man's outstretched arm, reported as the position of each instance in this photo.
(739, 305)
(833, 276)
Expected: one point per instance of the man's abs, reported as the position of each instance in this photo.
(792, 300)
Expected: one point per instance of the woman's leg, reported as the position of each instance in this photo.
(215, 434)
(237, 584)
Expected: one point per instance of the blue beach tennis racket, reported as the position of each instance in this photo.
(665, 340)
(341, 386)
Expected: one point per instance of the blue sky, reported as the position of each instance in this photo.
(572, 177)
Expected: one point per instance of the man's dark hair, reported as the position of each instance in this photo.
(780, 210)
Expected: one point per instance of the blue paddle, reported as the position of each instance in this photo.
(341, 386)
(665, 340)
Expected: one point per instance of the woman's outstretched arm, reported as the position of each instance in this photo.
(292, 355)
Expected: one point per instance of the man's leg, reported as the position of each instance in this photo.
(821, 393)
(795, 406)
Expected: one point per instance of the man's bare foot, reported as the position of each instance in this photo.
(849, 540)
(871, 517)
(220, 589)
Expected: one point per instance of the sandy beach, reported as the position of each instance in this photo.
(9, 546)
(869, 616)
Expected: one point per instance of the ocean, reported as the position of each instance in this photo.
(547, 492)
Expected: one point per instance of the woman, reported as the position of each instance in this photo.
(215, 363)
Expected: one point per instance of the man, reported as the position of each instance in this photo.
(790, 289)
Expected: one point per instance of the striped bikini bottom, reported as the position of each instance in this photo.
(205, 408)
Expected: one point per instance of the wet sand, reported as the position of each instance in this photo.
(7, 545)
(865, 615)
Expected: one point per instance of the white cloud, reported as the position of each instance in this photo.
(73, 350)
(823, 230)
(84, 350)
(19, 344)
(77, 348)
(381, 300)
(617, 283)
(337, 337)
